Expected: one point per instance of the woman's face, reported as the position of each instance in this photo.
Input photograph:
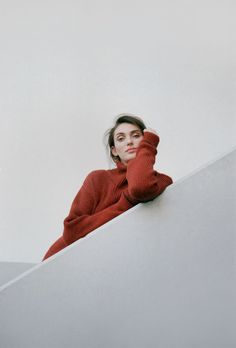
(127, 138)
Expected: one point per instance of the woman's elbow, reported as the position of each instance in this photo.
(143, 194)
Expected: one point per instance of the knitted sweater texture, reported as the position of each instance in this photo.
(106, 194)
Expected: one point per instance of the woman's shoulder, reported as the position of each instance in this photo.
(96, 175)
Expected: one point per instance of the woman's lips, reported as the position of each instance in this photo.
(131, 150)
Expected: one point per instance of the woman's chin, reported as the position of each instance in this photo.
(130, 157)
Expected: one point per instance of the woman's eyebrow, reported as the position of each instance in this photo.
(133, 131)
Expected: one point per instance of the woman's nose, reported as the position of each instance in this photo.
(129, 141)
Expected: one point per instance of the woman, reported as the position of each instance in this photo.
(106, 194)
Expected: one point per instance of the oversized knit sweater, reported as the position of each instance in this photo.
(106, 194)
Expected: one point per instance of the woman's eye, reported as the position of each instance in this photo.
(120, 139)
(137, 135)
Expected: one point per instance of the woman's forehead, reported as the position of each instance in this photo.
(126, 128)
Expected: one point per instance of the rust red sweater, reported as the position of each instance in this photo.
(106, 194)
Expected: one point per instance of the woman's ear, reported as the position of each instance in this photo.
(113, 151)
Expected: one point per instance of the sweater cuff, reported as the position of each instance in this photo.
(151, 138)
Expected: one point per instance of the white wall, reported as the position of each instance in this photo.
(67, 68)
(160, 275)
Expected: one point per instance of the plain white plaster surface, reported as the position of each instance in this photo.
(10, 270)
(67, 68)
(160, 275)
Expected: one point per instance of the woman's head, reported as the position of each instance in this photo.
(124, 137)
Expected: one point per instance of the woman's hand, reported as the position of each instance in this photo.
(150, 130)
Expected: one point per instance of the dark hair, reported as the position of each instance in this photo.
(122, 118)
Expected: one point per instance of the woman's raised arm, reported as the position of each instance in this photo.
(144, 182)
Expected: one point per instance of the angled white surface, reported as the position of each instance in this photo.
(10, 270)
(160, 275)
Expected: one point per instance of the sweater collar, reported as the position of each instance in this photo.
(121, 167)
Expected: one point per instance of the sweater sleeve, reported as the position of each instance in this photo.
(81, 219)
(145, 183)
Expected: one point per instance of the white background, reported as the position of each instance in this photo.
(67, 68)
